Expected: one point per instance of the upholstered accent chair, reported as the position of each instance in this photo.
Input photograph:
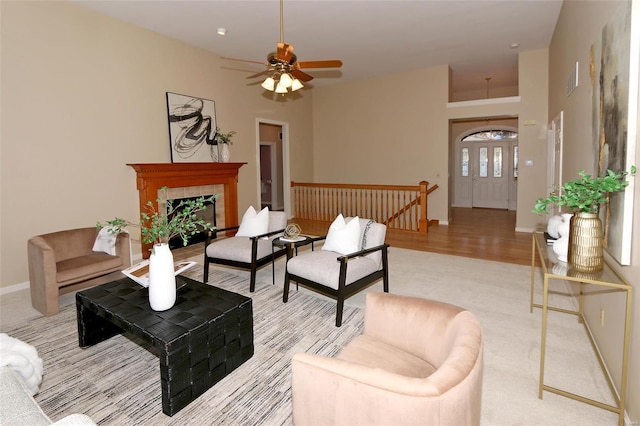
(418, 362)
(340, 276)
(64, 261)
(249, 253)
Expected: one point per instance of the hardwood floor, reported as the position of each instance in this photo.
(478, 233)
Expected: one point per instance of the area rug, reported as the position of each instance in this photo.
(117, 382)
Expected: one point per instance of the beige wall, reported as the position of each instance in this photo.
(84, 94)
(481, 93)
(385, 130)
(580, 24)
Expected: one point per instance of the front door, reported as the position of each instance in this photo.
(491, 175)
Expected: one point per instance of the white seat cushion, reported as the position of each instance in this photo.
(238, 249)
(322, 267)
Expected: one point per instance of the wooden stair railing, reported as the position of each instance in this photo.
(400, 207)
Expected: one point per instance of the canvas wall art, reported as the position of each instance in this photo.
(614, 128)
(192, 129)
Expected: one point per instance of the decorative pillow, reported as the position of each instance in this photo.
(254, 223)
(106, 241)
(343, 237)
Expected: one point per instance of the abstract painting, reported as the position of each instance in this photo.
(614, 129)
(192, 129)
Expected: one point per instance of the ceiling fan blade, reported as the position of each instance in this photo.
(244, 60)
(261, 73)
(334, 63)
(302, 76)
(285, 51)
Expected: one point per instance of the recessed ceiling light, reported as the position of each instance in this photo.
(515, 45)
(222, 31)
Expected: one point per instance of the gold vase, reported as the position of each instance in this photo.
(585, 243)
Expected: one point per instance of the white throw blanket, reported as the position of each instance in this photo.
(23, 359)
(106, 241)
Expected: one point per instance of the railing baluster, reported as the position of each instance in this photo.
(400, 207)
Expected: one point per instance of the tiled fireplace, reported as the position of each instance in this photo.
(185, 180)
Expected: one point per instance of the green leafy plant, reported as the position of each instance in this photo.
(225, 137)
(157, 228)
(586, 193)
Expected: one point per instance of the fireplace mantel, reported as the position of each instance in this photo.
(150, 177)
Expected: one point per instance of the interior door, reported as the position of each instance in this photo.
(266, 179)
(490, 175)
(462, 181)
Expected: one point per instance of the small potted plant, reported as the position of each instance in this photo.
(583, 198)
(224, 140)
(158, 228)
(587, 193)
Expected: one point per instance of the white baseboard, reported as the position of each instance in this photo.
(527, 230)
(14, 288)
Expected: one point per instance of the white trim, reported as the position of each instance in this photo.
(480, 102)
(275, 182)
(527, 230)
(286, 184)
(14, 288)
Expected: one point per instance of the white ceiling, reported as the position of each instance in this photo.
(371, 37)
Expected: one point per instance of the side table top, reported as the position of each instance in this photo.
(302, 240)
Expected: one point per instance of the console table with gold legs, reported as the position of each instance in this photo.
(608, 277)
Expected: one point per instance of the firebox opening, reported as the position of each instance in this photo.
(208, 214)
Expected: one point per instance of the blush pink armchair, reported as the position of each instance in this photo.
(418, 362)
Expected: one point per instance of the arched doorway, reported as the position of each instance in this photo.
(486, 168)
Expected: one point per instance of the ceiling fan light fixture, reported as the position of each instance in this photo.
(286, 80)
(296, 85)
(280, 89)
(269, 83)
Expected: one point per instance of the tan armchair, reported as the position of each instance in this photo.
(64, 261)
(418, 362)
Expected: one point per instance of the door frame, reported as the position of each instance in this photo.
(286, 172)
(275, 182)
(456, 160)
(554, 156)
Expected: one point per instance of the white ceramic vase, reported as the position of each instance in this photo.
(565, 226)
(162, 280)
(552, 225)
(561, 248)
(561, 245)
(225, 153)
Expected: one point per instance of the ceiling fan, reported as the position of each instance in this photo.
(284, 69)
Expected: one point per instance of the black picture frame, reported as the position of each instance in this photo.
(192, 129)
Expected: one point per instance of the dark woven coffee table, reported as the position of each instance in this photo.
(206, 335)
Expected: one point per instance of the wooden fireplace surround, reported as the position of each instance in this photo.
(150, 177)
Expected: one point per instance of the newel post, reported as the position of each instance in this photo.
(424, 221)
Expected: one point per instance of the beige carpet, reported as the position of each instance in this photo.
(116, 382)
